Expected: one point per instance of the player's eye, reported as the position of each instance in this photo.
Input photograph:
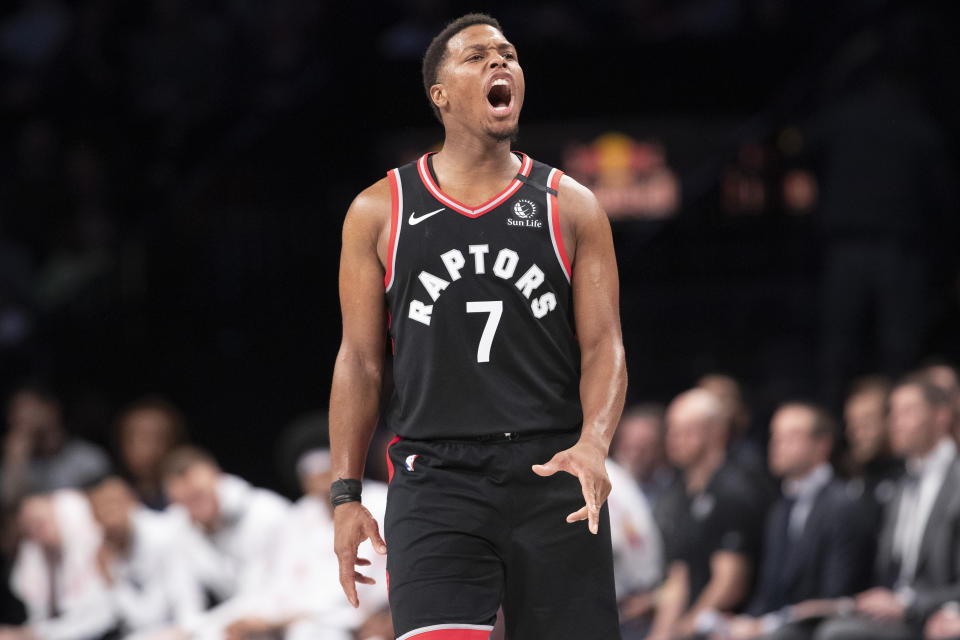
(510, 56)
(475, 57)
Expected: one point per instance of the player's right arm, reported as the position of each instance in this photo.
(357, 374)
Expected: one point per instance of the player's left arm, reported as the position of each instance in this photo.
(603, 372)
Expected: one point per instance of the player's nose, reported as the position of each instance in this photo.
(498, 61)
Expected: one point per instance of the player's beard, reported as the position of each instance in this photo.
(509, 134)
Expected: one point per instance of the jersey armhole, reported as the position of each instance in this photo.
(553, 219)
(396, 220)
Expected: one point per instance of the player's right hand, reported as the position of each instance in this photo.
(352, 524)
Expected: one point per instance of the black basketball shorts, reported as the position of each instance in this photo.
(470, 527)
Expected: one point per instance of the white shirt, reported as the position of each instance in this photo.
(916, 504)
(153, 585)
(228, 560)
(302, 577)
(79, 589)
(804, 491)
(637, 547)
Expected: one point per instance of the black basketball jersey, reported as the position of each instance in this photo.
(481, 312)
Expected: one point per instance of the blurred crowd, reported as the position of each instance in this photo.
(835, 534)
(836, 529)
(157, 541)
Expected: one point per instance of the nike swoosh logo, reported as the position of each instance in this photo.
(415, 220)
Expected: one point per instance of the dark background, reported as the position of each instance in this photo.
(174, 175)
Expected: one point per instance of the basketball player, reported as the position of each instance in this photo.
(496, 279)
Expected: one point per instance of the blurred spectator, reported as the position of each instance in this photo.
(814, 541)
(300, 596)
(865, 418)
(916, 563)
(146, 431)
(716, 517)
(305, 432)
(234, 524)
(637, 549)
(55, 573)
(149, 582)
(871, 469)
(727, 390)
(742, 452)
(639, 449)
(945, 376)
(39, 455)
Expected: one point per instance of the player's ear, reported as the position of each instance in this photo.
(438, 94)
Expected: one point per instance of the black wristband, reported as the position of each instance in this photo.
(343, 491)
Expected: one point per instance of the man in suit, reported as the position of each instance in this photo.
(918, 561)
(813, 539)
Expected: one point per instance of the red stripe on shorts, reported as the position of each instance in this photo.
(389, 461)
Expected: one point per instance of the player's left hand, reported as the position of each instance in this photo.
(585, 460)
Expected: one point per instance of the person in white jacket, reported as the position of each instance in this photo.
(300, 596)
(150, 584)
(233, 524)
(637, 547)
(55, 573)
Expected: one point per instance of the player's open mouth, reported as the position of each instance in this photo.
(500, 97)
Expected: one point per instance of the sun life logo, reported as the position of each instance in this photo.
(524, 209)
(524, 212)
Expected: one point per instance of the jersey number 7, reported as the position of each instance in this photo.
(495, 309)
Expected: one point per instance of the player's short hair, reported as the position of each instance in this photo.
(437, 51)
(179, 461)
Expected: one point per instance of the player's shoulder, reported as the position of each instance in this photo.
(578, 202)
(373, 201)
(369, 213)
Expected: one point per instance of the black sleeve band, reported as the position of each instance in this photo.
(342, 491)
(542, 187)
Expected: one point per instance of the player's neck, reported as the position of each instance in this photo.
(465, 159)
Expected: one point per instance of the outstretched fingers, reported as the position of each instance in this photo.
(578, 515)
(548, 468)
(362, 579)
(372, 531)
(347, 559)
(590, 495)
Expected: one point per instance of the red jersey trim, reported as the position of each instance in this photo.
(449, 632)
(395, 440)
(396, 220)
(553, 219)
(459, 207)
